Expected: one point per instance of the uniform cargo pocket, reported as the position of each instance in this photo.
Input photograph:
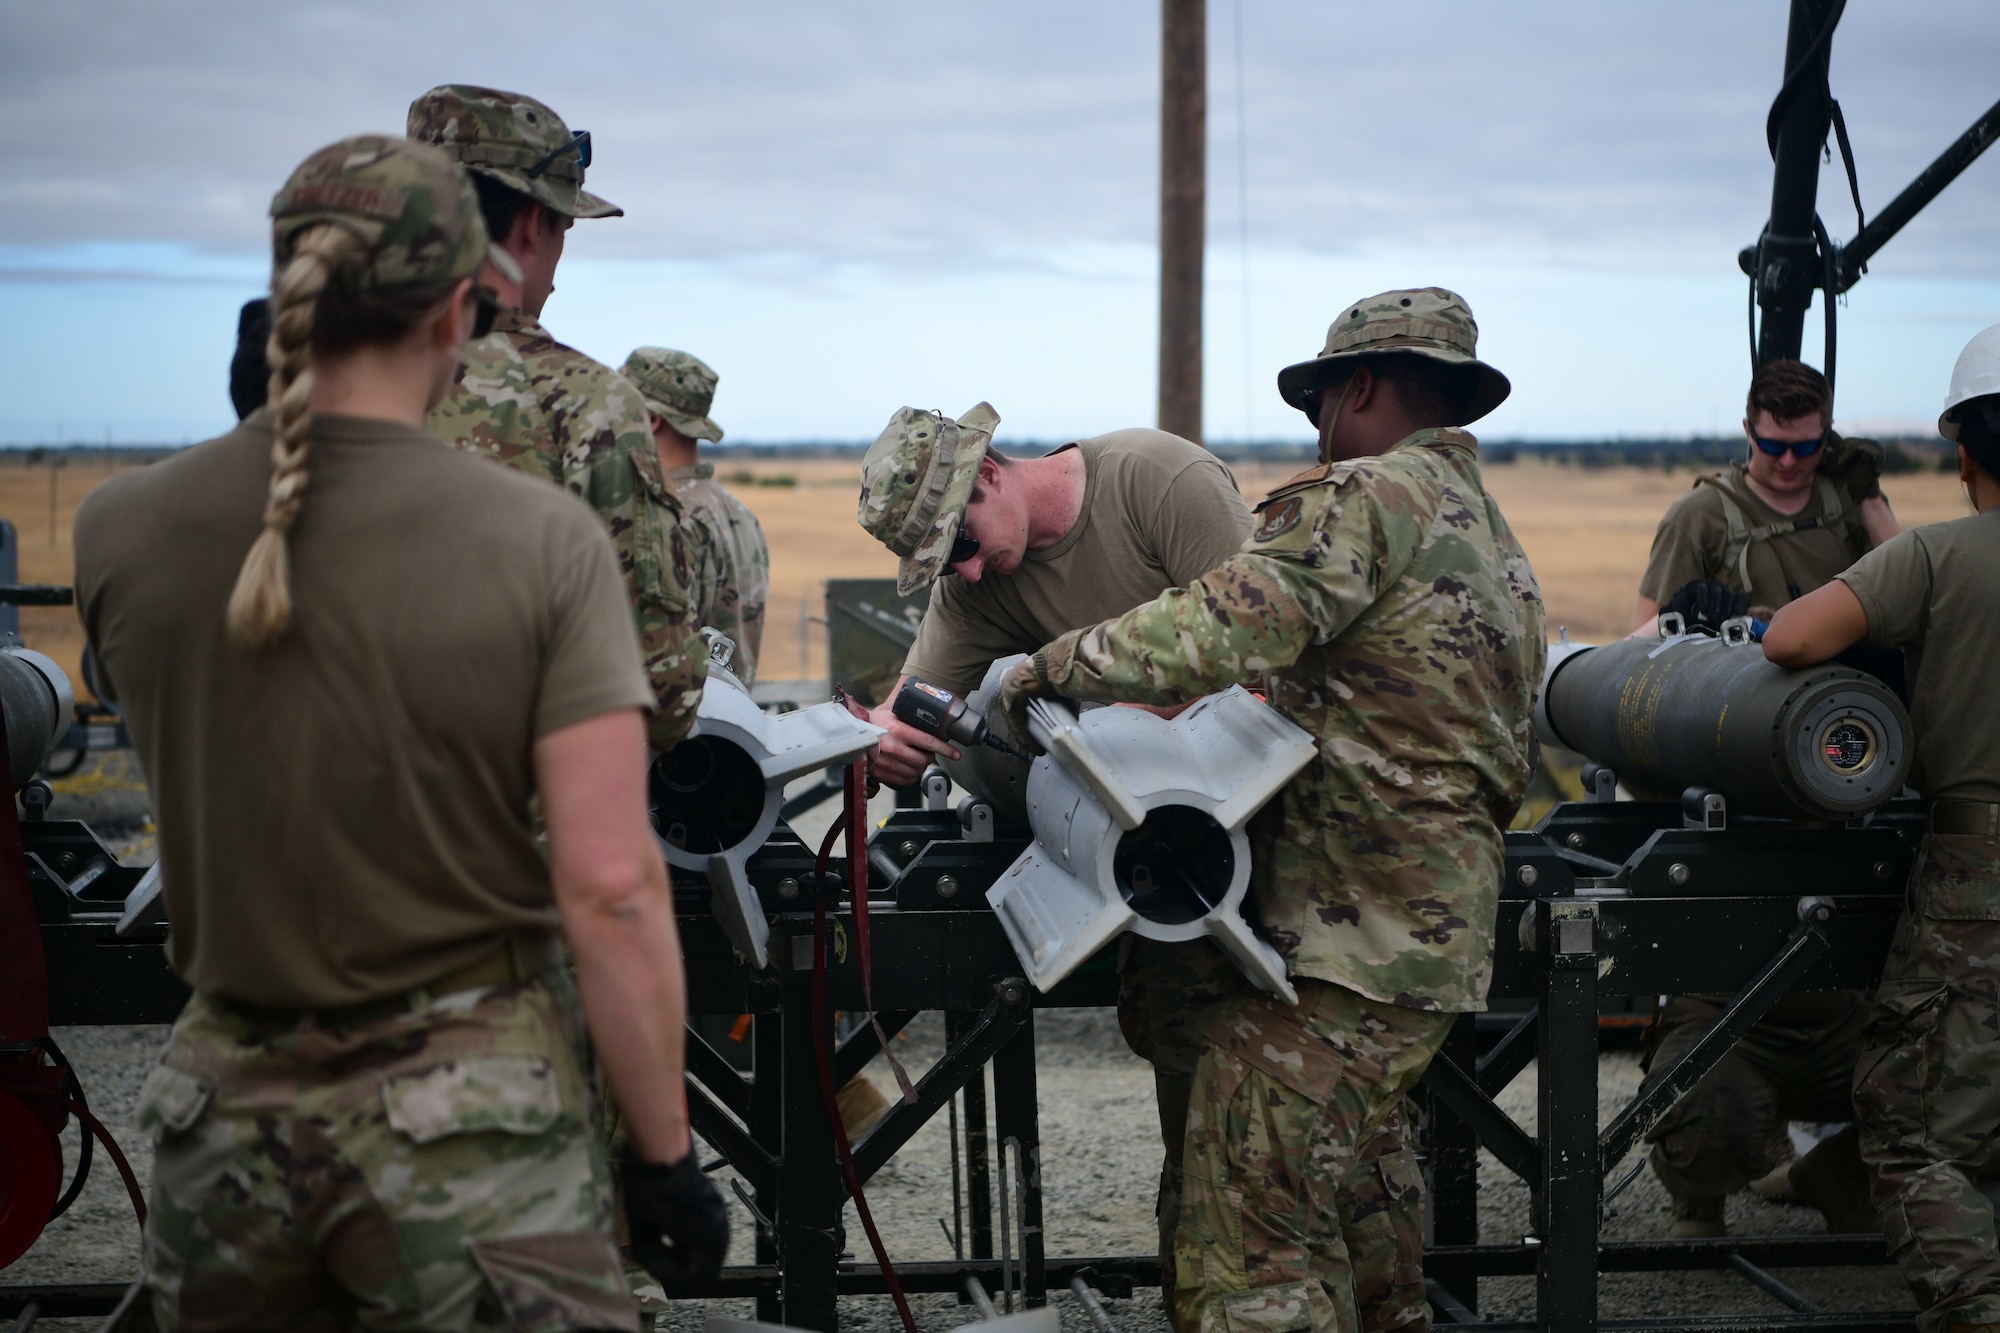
(1959, 879)
(1402, 1178)
(171, 1102)
(559, 1281)
(479, 1094)
(1288, 1308)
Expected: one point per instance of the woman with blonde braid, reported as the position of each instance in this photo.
(351, 657)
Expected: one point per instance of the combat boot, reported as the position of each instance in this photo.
(1697, 1217)
(1833, 1179)
(1776, 1184)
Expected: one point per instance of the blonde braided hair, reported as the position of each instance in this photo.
(260, 607)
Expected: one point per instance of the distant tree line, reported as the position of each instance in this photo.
(1900, 455)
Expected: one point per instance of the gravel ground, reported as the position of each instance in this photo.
(1641, 1212)
(1099, 1164)
(97, 1240)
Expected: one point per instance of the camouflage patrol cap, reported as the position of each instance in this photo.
(677, 386)
(412, 207)
(512, 139)
(1419, 321)
(915, 483)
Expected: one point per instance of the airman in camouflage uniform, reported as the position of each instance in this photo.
(1384, 605)
(544, 408)
(731, 562)
(427, 1156)
(1927, 1085)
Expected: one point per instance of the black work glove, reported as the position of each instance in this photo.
(1853, 465)
(679, 1225)
(1706, 602)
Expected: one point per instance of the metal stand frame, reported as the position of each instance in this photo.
(1602, 900)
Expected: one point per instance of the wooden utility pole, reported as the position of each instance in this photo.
(1183, 209)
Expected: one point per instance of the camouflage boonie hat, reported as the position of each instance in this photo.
(513, 139)
(410, 205)
(915, 483)
(1421, 321)
(677, 386)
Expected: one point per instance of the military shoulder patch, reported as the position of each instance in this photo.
(1279, 518)
(1304, 481)
(1312, 474)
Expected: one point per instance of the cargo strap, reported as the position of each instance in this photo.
(1743, 534)
(1976, 817)
(853, 821)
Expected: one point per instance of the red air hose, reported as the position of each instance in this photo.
(96, 1126)
(854, 819)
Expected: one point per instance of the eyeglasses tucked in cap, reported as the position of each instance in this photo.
(1799, 448)
(578, 140)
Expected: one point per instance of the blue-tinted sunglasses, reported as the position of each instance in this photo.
(579, 140)
(1799, 448)
(962, 548)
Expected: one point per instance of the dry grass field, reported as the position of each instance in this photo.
(1587, 532)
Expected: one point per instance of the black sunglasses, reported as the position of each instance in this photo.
(486, 308)
(962, 548)
(1799, 448)
(578, 140)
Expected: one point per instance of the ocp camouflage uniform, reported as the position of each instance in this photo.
(546, 409)
(1164, 990)
(1385, 606)
(1925, 1085)
(731, 576)
(306, 1168)
(729, 561)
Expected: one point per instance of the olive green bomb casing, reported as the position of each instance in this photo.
(1827, 742)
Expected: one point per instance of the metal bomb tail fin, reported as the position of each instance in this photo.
(1138, 825)
(715, 797)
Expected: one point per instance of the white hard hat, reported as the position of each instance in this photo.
(1976, 375)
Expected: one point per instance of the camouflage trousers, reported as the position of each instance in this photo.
(1164, 990)
(440, 1169)
(1927, 1090)
(1287, 1102)
(1794, 1064)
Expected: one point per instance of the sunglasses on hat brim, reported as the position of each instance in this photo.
(579, 142)
(1799, 448)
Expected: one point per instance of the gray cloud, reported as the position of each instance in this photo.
(1586, 133)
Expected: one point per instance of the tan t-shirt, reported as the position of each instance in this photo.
(1693, 538)
(346, 816)
(1935, 592)
(1158, 513)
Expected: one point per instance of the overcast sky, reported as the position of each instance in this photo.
(845, 207)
